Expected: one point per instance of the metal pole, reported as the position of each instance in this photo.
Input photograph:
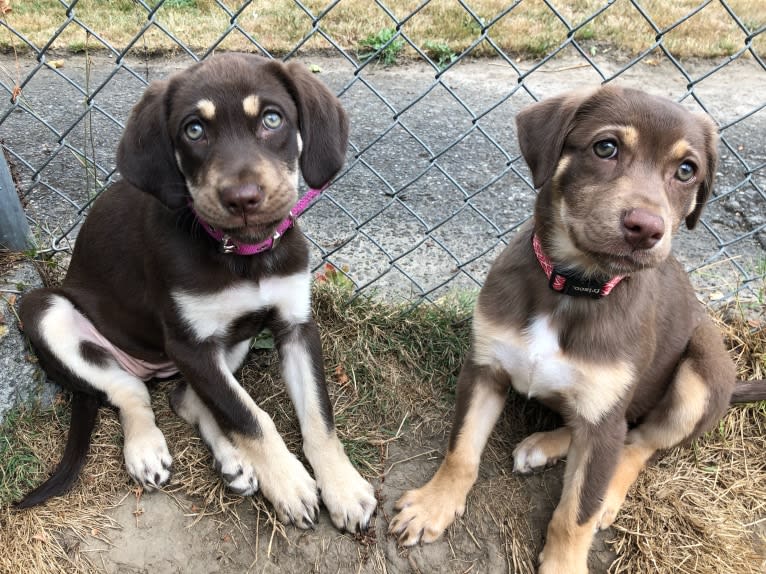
(14, 231)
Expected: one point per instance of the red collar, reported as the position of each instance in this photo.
(571, 283)
(229, 245)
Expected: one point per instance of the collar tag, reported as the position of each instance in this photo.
(574, 285)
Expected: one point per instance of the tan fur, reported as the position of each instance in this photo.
(680, 149)
(429, 510)
(567, 542)
(206, 109)
(252, 105)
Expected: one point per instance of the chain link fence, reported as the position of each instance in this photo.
(434, 185)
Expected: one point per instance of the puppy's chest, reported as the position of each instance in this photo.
(539, 368)
(534, 360)
(220, 313)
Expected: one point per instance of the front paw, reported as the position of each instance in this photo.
(425, 513)
(290, 489)
(147, 458)
(348, 497)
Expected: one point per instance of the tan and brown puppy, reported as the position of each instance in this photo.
(587, 311)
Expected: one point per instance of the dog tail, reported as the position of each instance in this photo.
(84, 411)
(749, 391)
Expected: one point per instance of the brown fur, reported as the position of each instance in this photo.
(645, 357)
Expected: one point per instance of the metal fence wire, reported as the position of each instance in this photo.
(434, 185)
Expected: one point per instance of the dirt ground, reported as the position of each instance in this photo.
(486, 539)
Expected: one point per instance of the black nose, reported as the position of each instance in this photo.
(642, 229)
(241, 199)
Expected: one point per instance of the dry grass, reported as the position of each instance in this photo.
(529, 29)
(696, 510)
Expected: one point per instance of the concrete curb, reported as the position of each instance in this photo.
(22, 382)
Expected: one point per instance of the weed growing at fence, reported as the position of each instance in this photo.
(383, 46)
(440, 52)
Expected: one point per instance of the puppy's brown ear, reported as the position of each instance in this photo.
(323, 126)
(711, 163)
(145, 154)
(542, 129)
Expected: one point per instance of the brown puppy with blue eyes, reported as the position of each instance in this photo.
(179, 265)
(587, 312)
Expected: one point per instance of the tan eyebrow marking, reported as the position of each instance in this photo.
(206, 109)
(680, 149)
(251, 105)
(630, 136)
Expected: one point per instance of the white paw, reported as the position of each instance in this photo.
(290, 489)
(531, 455)
(147, 458)
(348, 497)
(235, 470)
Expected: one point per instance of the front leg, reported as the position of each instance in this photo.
(349, 498)
(591, 462)
(281, 477)
(426, 512)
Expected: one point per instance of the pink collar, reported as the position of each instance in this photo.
(570, 283)
(229, 245)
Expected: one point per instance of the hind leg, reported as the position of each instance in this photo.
(541, 449)
(235, 469)
(697, 398)
(71, 356)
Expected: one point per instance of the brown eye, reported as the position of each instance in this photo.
(685, 171)
(272, 120)
(605, 149)
(194, 130)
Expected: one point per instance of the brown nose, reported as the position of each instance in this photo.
(642, 229)
(241, 199)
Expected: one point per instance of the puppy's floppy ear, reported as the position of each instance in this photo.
(145, 154)
(542, 129)
(711, 163)
(323, 126)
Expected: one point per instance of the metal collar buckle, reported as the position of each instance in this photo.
(227, 245)
(278, 234)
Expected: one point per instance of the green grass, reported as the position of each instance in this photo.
(440, 52)
(19, 467)
(383, 46)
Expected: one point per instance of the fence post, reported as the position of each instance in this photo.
(14, 231)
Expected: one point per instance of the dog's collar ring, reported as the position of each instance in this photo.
(227, 245)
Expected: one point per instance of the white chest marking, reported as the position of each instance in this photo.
(212, 314)
(536, 365)
(539, 368)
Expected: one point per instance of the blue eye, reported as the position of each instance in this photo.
(605, 149)
(685, 171)
(194, 130)
(272, 120)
